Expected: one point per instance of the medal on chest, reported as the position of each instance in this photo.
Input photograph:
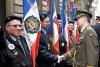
(12, 48)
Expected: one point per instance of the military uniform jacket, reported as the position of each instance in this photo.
(87, 49)
(45, 57)
(15, 55)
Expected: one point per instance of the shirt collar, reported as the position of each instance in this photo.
(14, 38)
(83, 27)
(43, 30)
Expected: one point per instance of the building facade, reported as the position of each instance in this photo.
(11, 7)
(15, 7)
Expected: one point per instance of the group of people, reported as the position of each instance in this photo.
(14, 51)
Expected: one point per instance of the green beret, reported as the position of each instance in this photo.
(80, 13)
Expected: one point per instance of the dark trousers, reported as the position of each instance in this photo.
(63, 64)
(99, 55)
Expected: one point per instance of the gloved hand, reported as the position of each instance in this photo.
(69, 54)
(60, 58)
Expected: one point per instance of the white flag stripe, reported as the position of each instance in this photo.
(55, 33)
(33, 11)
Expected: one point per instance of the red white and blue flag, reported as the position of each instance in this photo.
(55, 29)
(76, 32)
(32, 26)
(73, 12)
(65, 31)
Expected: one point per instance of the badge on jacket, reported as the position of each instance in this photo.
(12, 48)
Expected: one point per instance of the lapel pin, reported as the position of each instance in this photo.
(11, 46)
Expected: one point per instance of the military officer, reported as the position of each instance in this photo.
(16, 52)
(87, 46)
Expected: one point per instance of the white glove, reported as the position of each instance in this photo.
(60, 58)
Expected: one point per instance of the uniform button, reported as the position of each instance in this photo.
(62, 44)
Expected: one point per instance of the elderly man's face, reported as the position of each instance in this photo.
(14, 28)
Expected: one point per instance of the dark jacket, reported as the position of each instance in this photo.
(2, 47)
(45, 58)
(96, 27)
(62, 44)
(17, 57)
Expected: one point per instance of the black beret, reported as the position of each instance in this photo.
(43, 16)
(97, 17)
(70, 22)
(58, 16)
(10, 18)
(80, 13)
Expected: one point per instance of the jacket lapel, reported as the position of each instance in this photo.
(27, 52)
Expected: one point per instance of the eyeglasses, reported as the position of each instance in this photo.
(16, 25)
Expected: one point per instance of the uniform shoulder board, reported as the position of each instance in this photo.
(89, 28)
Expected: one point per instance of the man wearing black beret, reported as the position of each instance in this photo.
(16, 52)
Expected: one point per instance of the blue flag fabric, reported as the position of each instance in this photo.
(55, 32)
(65, 23)
(73, 12)
(27, 4)
(49, 30)
(63, 15)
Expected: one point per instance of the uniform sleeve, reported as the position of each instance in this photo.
(91, 48)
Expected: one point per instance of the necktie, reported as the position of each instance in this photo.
(20, 44)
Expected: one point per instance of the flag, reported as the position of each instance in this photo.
(65, 30)
(49, 14)
(76, 32)
(32, 26)
(49, 30)
(55, 29)
(73, 12)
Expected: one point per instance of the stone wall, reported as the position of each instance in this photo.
(14, 7)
